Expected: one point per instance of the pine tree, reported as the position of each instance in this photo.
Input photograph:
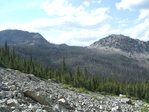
(147, 96)
(6, 48)
(77, 77)
(64, 65)
(83, 78)
(63, 71)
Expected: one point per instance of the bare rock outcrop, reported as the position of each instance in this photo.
(121, 42)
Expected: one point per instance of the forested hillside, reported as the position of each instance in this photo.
(96, 62)
(80, 79)
(120, 63)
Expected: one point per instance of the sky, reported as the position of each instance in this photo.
(77, 22)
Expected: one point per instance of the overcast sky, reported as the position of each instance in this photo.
(77, 22)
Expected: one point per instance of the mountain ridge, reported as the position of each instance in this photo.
(118, 42)
(121, 42)
(19, 37)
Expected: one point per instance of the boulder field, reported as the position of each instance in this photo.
(20, 92)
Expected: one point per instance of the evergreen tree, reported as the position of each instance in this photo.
(147, 96)
(64, 65)
(77, 77)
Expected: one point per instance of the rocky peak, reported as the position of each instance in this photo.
(18, 37)
(124, 43)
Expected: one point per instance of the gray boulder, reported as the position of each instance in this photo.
(12, 102)
(37, 96)
(126, 100)
(115, 109)
(52, 81)
(33, 78)
(65, 104)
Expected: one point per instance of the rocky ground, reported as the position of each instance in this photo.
(20, 92)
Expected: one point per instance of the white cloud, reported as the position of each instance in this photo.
(81, 18)
(85, 37)
(133, 4)
(140, 31)
(143, 14)
(60, 24)
(9, 25)
(97, 16)
(114, 31)
(79, 15)
(97, 1)
(51, 29)
(141, 5)
(123, 22)
(59, 7)
(86, 3)
(80, 27)
(70, 25)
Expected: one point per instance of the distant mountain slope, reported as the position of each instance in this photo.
(18, 37)
(123, 43)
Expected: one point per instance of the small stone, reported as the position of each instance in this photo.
(14, 94)
(55, 108)
(30, 106)
(62, 101)
(126, 100)
(2, 94)
(5, 87)
(91, 106)
(65, 104)
(19, 95)
(39, 110)
(2, 101)
(116, 108)
(52, 81)
(33, 78)
(12, 103)
(47, 108)
(8, 94)
(122, 96)
(4, 108)
(13, 108)
(1, 82)
(101, 107)
(16, 110)
(12, 88)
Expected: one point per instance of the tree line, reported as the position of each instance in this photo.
(79, 79)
